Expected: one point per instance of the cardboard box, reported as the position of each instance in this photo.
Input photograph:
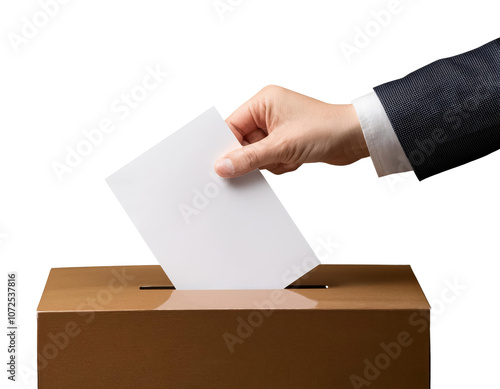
(124, 327)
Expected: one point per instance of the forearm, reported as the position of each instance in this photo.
(447, 113)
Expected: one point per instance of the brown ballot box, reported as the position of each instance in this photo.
(339, 326)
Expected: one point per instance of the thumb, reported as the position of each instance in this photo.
(246, 158)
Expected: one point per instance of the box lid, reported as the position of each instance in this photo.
(118, 288)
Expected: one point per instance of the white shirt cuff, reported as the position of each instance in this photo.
(385, 150)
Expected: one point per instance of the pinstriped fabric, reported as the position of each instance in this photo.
(447, 113)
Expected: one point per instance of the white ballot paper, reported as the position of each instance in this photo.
(209, 232)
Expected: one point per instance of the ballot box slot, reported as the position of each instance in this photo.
(156, 287)
(307, 287)
(171, 287)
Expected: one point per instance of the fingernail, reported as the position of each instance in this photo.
(224, 167)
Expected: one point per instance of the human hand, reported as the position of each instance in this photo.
(279, 130)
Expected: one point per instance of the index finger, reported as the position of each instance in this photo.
(248, 118)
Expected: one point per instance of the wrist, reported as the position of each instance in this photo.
(355, 144)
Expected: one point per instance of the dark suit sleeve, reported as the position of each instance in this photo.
(447, 113)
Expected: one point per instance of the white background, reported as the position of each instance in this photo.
(63, 81)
